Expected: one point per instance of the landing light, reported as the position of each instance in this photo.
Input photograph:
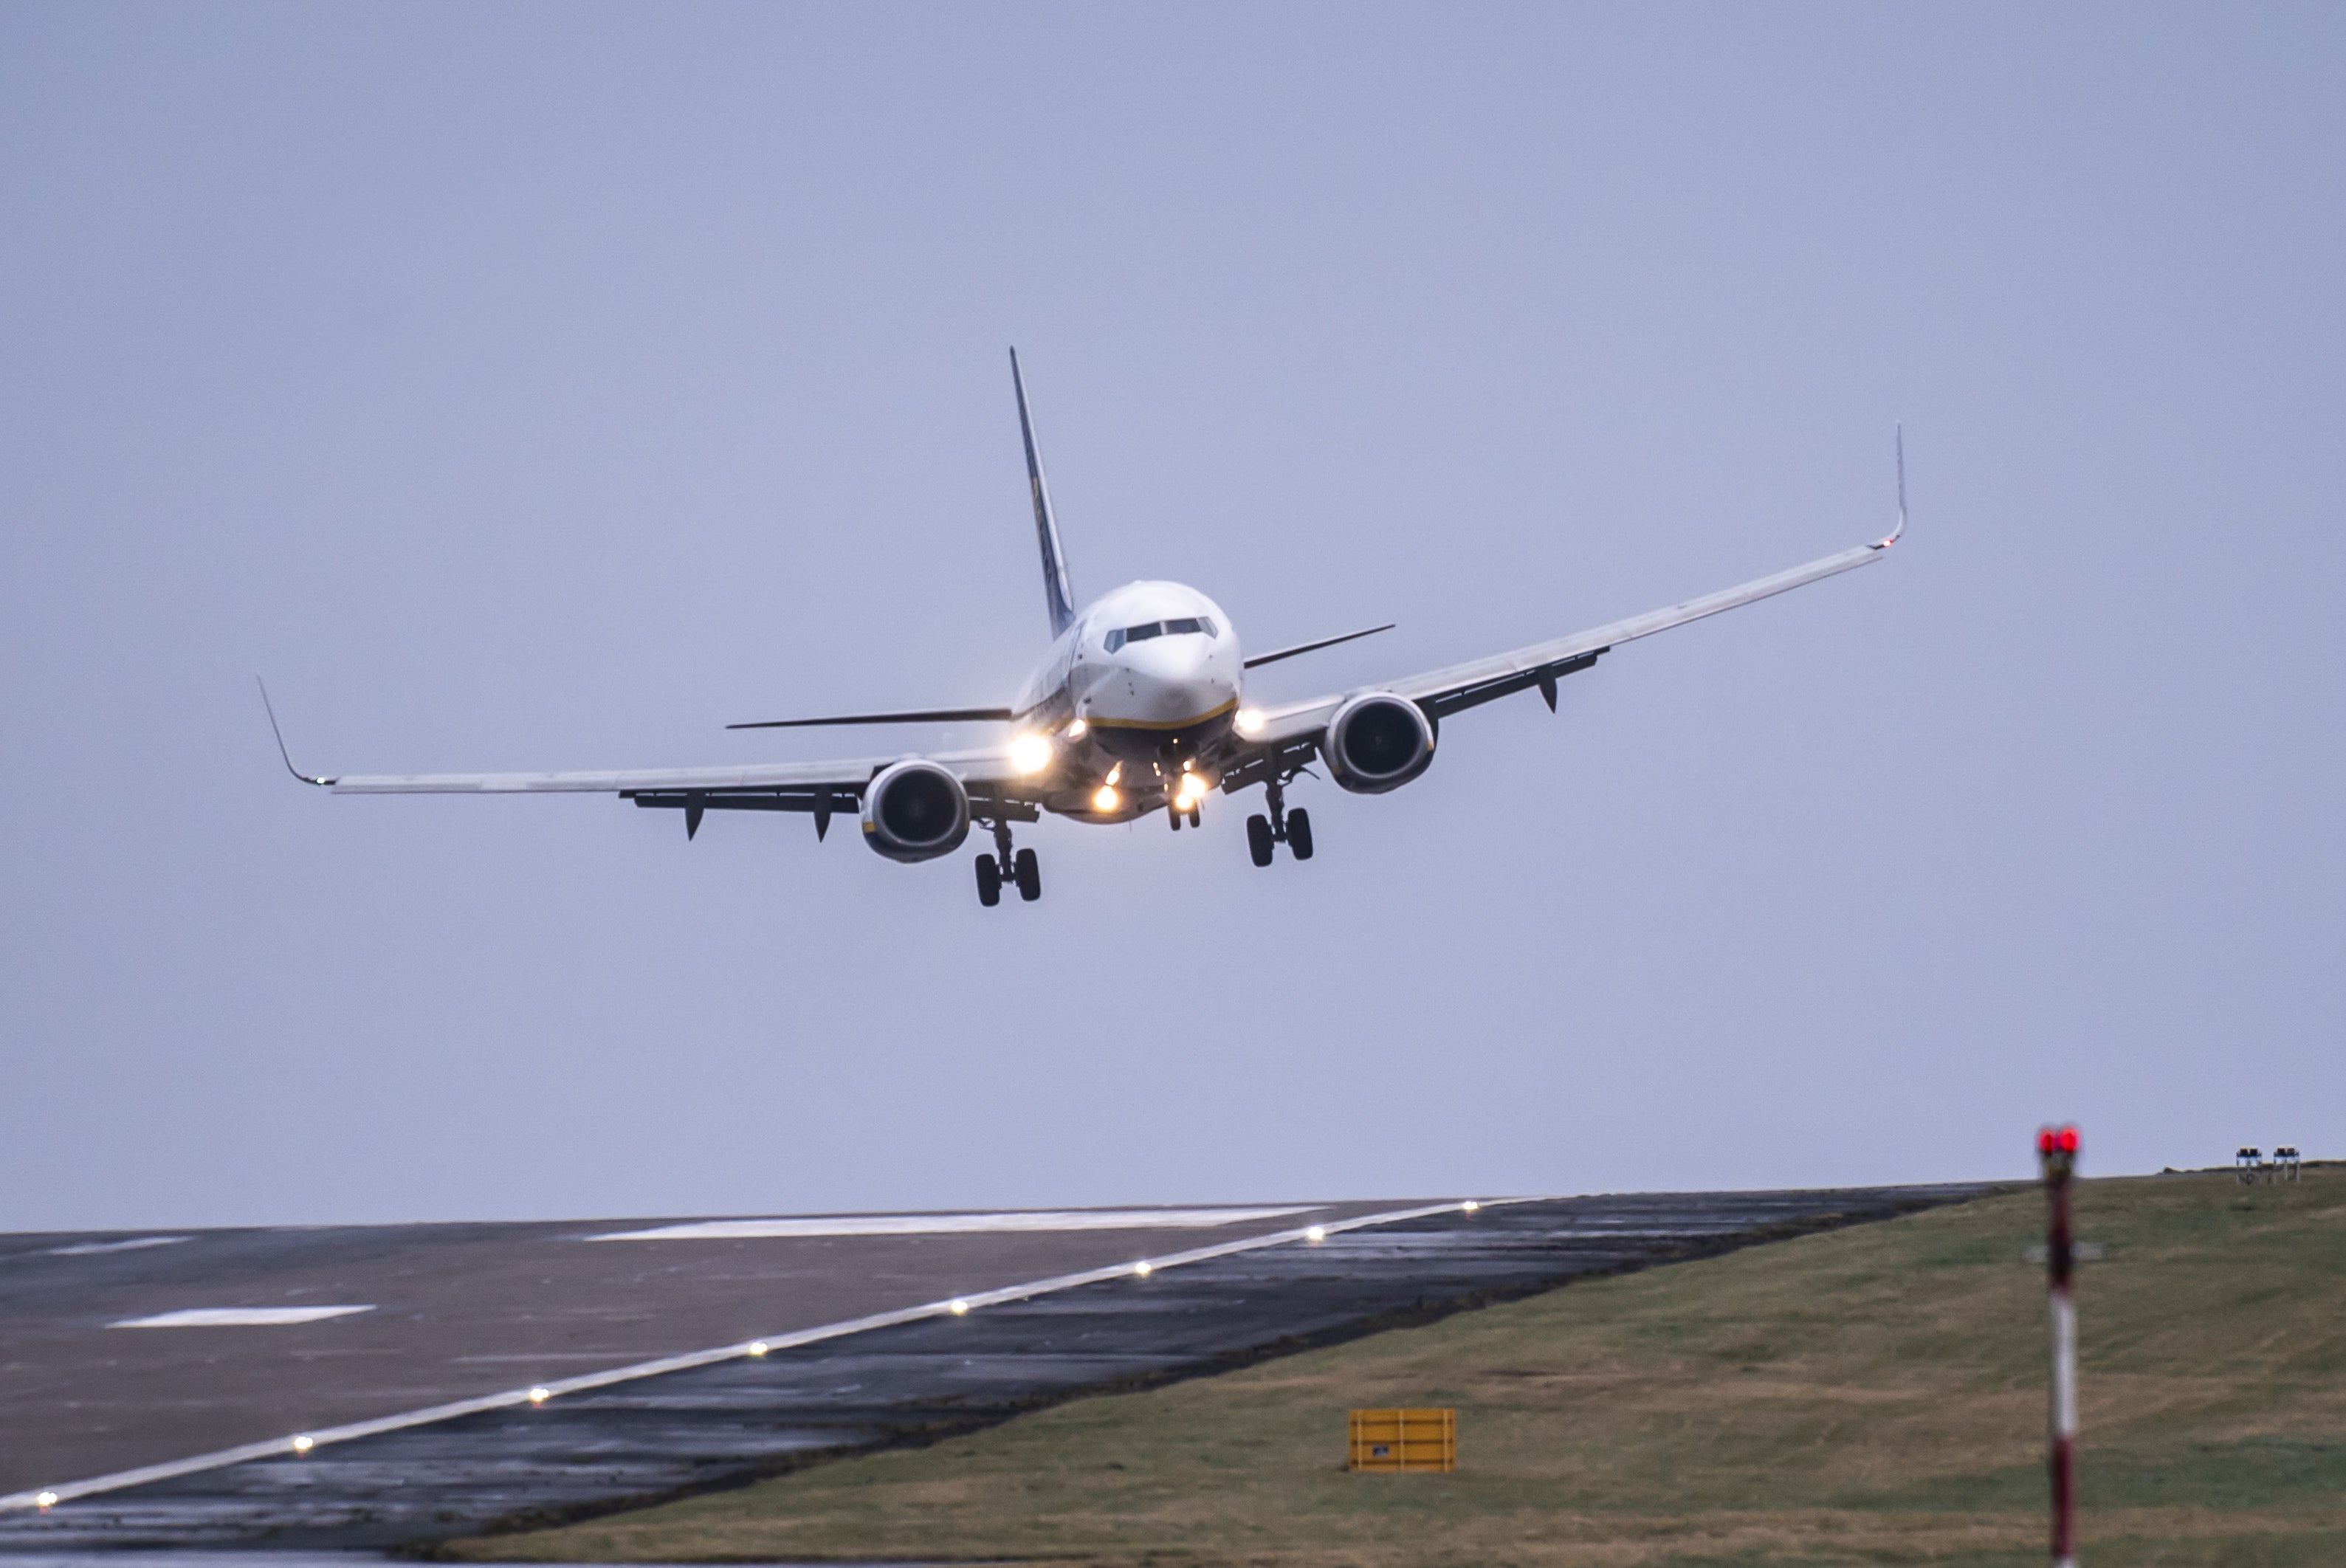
(1315, 1233)
(44, 1500)
(1105, 800)
(757, 1346)
(540, 1395)
(1031, 753)
(1470, 1205)
(1077, 728)
(1249, 720)
(304, 1444)
(960, 1307)
(1142, 1268)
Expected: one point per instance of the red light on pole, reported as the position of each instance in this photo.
(2057, 1149)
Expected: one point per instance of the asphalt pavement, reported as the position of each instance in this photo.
(357, 1386)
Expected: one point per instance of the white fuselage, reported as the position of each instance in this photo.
(1142, 688)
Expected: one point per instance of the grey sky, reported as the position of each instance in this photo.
(544, 387)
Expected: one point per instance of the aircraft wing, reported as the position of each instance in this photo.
(847, 777)
(1295, 726)
(820, 787)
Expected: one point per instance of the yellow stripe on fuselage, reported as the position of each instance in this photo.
(1096, 722)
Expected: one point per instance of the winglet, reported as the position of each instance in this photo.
(1058, 593)
(269, 709)
(1894, 533)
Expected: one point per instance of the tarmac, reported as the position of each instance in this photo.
(355, 1388)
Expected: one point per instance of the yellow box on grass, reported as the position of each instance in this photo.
(1404, 1440)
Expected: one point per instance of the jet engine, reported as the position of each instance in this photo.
(915, 811)
(1378, 742)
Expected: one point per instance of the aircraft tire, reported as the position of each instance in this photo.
(1259, 839)
(1299, 834)
(1030, 876)
(1196, 816)
(989, 882)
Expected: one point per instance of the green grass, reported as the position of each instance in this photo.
(1867, 1396)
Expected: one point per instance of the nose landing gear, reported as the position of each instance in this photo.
(1265, 834)
(1021, 870)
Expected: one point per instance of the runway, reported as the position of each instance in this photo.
(448, 1377)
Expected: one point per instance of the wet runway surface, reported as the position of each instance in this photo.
(457, 1312)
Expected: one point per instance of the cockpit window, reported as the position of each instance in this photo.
(1141, 634)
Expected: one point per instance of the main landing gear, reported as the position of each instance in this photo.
(1265, 834)
(1021, 870)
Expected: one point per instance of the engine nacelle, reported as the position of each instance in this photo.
(1378, 742)
(915, 811)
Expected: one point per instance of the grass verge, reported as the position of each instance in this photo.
(1867, 1396)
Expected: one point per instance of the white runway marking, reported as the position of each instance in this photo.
(274, 1447)
(951, 1224)
(237, 1317)
(91, 1248)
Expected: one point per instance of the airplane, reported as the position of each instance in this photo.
(1139, 705)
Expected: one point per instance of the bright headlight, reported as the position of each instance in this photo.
(1249, 720)
(1105, 800)
(1030, 753)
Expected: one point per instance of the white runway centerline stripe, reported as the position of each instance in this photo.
(237, 1317)
(952, 1224)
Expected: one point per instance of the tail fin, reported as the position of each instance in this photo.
(1058, 596)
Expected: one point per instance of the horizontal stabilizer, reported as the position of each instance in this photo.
(1315, 648)
(926, 715)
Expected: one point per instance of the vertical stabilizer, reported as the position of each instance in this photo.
(1058, 594)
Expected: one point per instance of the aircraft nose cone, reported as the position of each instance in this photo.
(1178, 684)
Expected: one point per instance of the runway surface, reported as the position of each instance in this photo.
(669, 1355)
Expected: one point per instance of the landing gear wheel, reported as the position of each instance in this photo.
(1260, 843)
(1299, 834)
(1030, 876)
(1196, 816)
(989, 882)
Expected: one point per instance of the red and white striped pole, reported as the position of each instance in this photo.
(2057, 1154)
